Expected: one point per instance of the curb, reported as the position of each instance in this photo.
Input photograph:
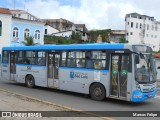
(58, 105)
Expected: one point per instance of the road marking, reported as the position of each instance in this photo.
(58, 105)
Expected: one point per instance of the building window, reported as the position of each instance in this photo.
(127, 34)
(136, 25)
(26, 33)
(152, 27)
(45, 32)
(131, 24)
(151, 36)
(144, 26)
(140, 26)
(128, 23)
(156, 28)
(15, 32)
(146, 35)
(155, 36)
(147, 27)
(131, 33)
(0, 28)
(37, 34)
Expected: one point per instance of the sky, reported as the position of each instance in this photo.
(95, 14)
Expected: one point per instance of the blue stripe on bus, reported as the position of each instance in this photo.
(83, 69)
(95, 46)
(30, 65)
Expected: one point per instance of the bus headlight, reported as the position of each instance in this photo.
(138, 87)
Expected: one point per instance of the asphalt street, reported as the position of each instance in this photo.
(81, 101)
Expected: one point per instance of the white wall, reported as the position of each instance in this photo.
(6, 29)
(51, 30)
(64, 34)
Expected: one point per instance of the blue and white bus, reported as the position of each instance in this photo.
(102, 70)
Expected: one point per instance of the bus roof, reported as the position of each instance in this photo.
(93, 46)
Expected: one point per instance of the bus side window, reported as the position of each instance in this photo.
(41, 58)
(99, 59)
(20, 57)
(30, 57)
(26, 61)
(88, 59)
(63, 62)
(71, 59)
(5, 57)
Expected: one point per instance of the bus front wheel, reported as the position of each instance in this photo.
(97, 92)
(30, 81)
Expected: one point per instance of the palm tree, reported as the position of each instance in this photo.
(29, 41)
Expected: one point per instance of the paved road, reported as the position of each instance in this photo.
(80, 101)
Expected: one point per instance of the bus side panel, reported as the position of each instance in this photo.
(5, 71)
(38, 72)
(79, 80)
(129, 86)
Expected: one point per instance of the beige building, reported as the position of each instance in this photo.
(66, 27)
(115, 35)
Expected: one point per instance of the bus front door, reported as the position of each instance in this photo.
(119, 70)
(12, 66)
(53, 69)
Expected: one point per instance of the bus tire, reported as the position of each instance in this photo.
(97, 92)
(30, 82)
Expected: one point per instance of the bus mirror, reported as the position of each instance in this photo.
(137, 59)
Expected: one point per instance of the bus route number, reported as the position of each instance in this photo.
(29, 67)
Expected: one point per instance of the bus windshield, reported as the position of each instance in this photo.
(145, 68)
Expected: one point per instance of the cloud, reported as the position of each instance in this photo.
(96, 14)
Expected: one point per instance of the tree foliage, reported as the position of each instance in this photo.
(123, 40)
(29, 41)
(58, 40)
(76, 36)
(93, 34)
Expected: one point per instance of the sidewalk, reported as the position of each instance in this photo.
(13, 102)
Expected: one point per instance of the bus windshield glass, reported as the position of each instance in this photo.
(145, 69)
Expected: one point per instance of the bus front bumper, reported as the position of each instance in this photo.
(139, 96)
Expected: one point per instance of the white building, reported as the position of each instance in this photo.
(63, 34)
(142, 29)
(24, 15)
(50, 30)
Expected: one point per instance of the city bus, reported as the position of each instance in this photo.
(118, 71)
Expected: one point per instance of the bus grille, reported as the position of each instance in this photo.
(147, 90)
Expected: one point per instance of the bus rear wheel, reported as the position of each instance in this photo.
(97, 92)
(30, 81)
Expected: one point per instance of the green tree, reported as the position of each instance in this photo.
(93, 34)
(29, 41)
(123, 40)
(76, 36)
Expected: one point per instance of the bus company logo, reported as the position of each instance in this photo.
(29, 67)
(72, 74)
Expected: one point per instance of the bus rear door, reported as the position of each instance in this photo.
(53, 69)
(13, 65)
